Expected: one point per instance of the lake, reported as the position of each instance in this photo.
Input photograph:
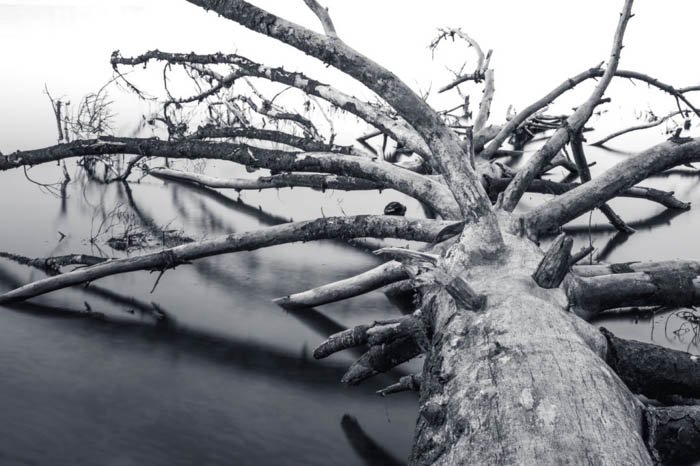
(89, 377)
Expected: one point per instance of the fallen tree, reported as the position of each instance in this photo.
(513, 372)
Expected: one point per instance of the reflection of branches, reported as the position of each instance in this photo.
(690, 325)
(371, 453)
(51, 266)
(660, 219)
(243, 354)
(613, 243)
(264, 217)
(57, 188)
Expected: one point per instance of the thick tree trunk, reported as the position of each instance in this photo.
(522, 382)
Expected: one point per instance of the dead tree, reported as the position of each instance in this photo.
(513, 374)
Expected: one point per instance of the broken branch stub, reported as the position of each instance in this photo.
(381, 358)
(653, 370)
(377, 333)
(405, 384)
(429, 269)
(555, 264)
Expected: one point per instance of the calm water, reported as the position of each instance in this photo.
(230, 379)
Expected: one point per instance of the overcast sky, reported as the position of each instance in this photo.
(537, 44)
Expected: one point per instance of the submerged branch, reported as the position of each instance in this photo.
(612, 182)
(326, 228)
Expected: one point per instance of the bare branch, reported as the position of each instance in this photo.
(573, 125)
(357, 285)
(651, 124)
(284, 180)
(665, 198)
(306, 144)
(446, 152)
(485, 105)
(611, 183)
(379, 117)
(326, 228)
(433, 193)
(569, 84)
(52, 265)
(323, 16)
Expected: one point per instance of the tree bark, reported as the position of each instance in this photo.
(522, 382)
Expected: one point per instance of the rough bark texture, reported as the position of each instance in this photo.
(433, 193)
(503, 386)
(619, 178)
(555, 264)
(652, 370)
(326, 228)
(673, 434)
(591, 295)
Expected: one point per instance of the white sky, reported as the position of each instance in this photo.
(537, 44)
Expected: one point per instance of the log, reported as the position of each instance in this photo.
(632, 267)
(589, 296)
(653, 370)
(505, 385)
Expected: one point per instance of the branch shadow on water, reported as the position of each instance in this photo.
(371, 453)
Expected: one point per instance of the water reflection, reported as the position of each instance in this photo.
(228, 380)
(365, 447)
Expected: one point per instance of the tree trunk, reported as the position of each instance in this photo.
(522, 382)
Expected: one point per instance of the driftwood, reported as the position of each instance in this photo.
(510, 375)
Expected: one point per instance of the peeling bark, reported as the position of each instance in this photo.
(433, 193)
